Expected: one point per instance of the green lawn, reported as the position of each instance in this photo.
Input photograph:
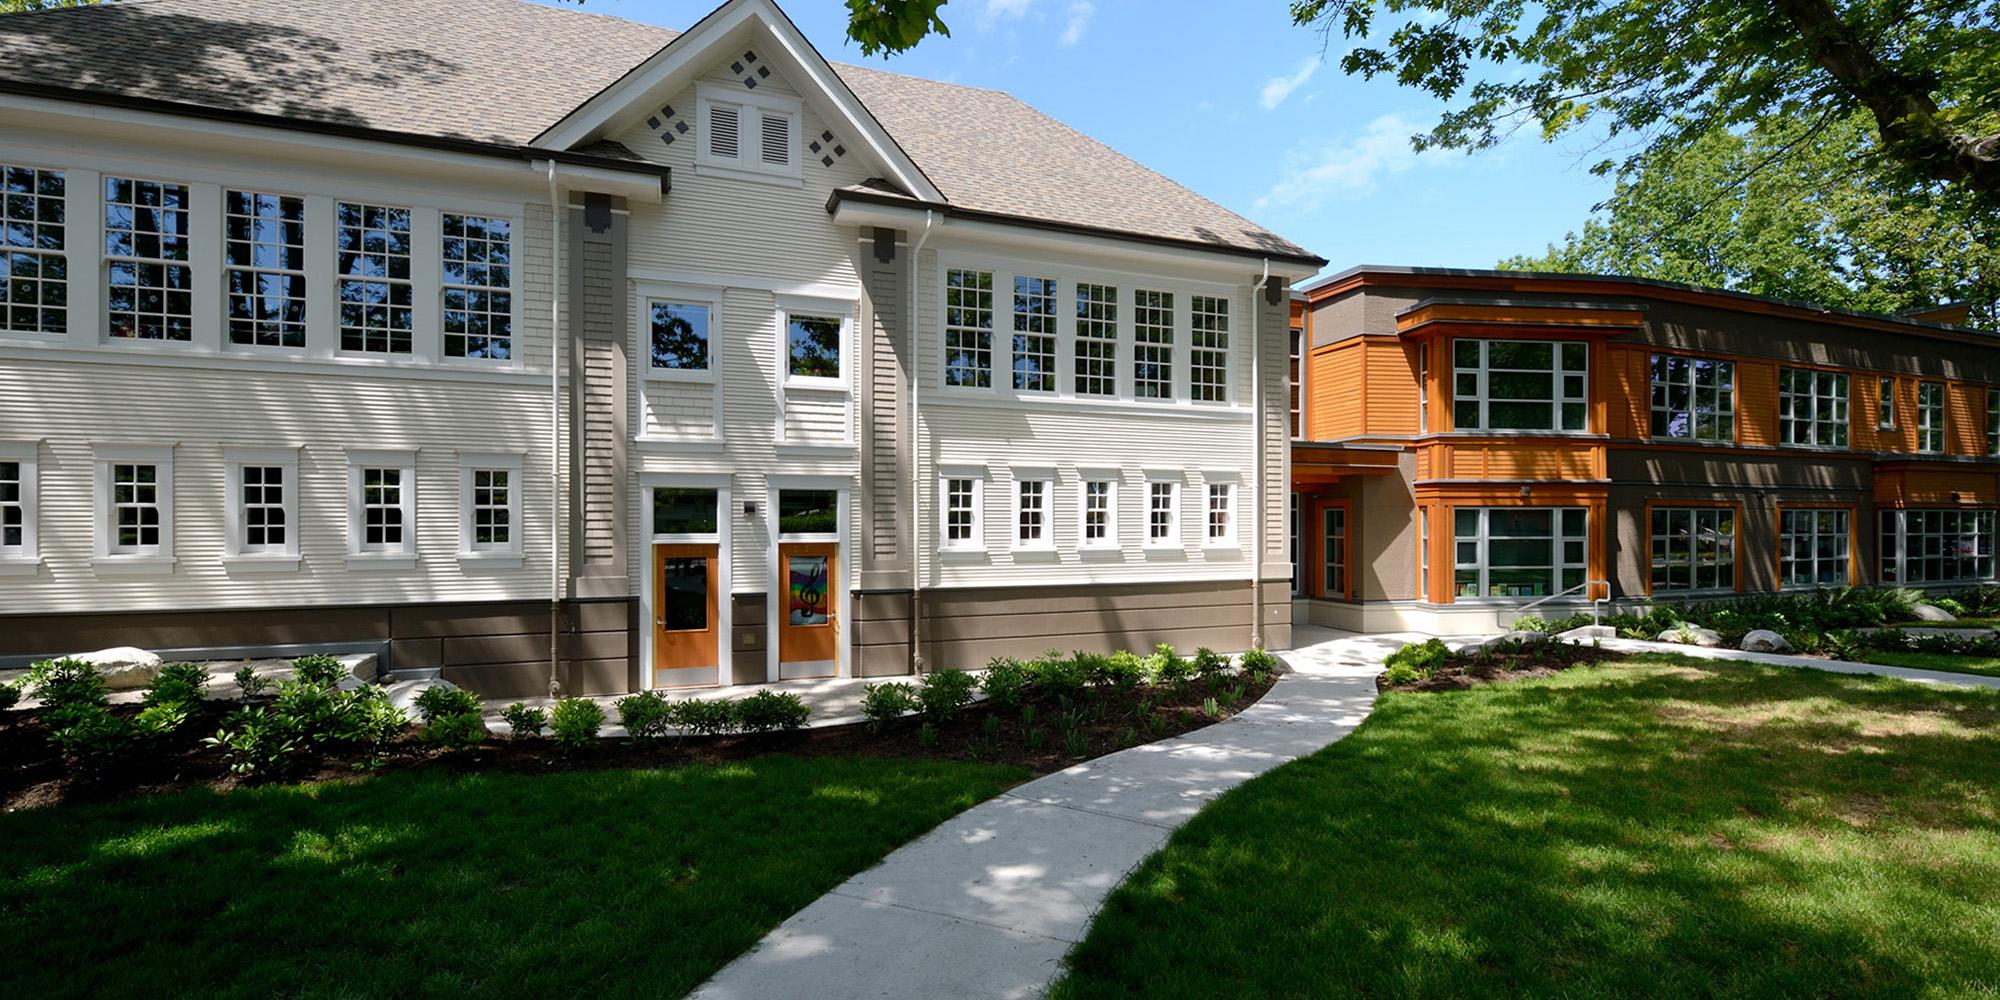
(1988, 665)
(1665, 828)
(614, 883)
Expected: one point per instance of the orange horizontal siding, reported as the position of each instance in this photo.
(1390, 370)
(1511, 460)
(1756, 402)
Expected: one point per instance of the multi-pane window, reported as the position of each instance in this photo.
(13, 508)
(1208, 348)
(1096, 340)
(961, 513)
(680, 336)
(1152, 344)
(1424, 553)
(1035, 334)
(1930, 417)
(1519, 384)
(264, 258)
(1936, 546)
(812, 346)
(968, 328)
(34, 272)
(1812, 407)
(1993, 421)
(1424, 388)
(1885, 404)
(1098, 527)
(262, 504)
(1292, 376)
(1221, 513)
(1813, 548)
(492, 508)
(478, 287)
(1694, 548)
(371, 249)
(1518, 551)
(148, 281)
(135, 508)
(1694, 398)
(1333, 552)
(1031, 513)
(384, 526)
(1162, 527)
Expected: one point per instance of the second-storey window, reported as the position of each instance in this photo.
(1694, 548)
(1034, 361)
(1031, 513)
(1519, 385)
(1208, 349)
(372, 256)
(1813, 548)
(812, 346)
(1885, 404)
(148, 280)
(478, 287)
(1099, 512)
(1812, 407)
(34, 271)
(960, 512)
(1096, 340)
(264, 258)
(968, 328)
(1993, 421)
(1694, 398)
(680, 336)
(1930, 417)
(1152, 344)
(1162, 512)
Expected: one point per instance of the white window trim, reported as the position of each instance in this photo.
(359, 556)
(844, 310)
(67, 255)
(24, 559)
(159, 558)
(1172, 542)
(697, 295)
(1111, 478)
(430, 332)
(1227, 351)
(419, 350)
(508, 556)
(1047, 478)
(978, 476)
(1230, 480)
(1926, 426)
(236, 554)
(750, 135)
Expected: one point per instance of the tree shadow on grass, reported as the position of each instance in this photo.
(606, 883)
(1665, 830)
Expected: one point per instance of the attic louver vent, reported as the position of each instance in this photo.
(777, 140)
(722, 132)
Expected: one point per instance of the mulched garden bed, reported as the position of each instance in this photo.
(1473, 668)
(32, 775)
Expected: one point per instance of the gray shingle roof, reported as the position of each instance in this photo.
(503, 71)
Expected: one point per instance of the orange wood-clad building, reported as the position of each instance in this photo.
(1471, 443)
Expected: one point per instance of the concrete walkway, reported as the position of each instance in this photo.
(987, 904)
(1808, 662)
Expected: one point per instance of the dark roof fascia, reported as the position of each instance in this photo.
(1483, 300)
(470, 147)
(973, 215)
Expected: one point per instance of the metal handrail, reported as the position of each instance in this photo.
(1596, 604)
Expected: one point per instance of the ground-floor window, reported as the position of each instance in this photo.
(1694, 548)
(1813, 548)
(1333, 540)
(1518, 551)
(1298, 549)
(1936, 546)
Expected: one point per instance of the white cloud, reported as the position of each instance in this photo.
(1080, 14)
(996, 10)
(1278, 88)
(1352, 166)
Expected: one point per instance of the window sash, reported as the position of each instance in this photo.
(1812, 407)
(968, 328)
(149, 282)
(1693, 549)
(1208, 349)
(1221, 518)
(1152, 344)
(478, 281)
(264, 268)
(1693, 398)
(960, 513)
(680, 335)
(493, 527)
(1814, 548)
(385, 523)
(34, 264)
(1099, 525)
(1920, 546)
(1885, 405)
(13, 508)
(1161, 517)
(1993, 421)
(136, 510)
(372, 256)
(1031, 513)
(1519, 559)
(1930, 417)
(1333, 552)
(263, 510)
(814, 346)
(1515, 393)
(1096, 340)
(1034, 342)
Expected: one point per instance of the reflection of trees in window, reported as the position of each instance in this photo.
(680, 336)
(815, 346)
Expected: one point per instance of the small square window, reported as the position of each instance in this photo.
(812, 346)
(679, 336)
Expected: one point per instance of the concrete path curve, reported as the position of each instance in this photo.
(987, 904)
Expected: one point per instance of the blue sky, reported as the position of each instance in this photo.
(1241, 108)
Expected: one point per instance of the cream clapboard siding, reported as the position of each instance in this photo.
(677, 409)
(1071, 438)
(749, 239)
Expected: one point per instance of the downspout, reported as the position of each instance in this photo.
(916, 463)
(1257, 436)
(555, 435)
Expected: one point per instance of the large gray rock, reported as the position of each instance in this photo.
(1692, 635)
(1764, 640)
(123, 667)
(1933, 613)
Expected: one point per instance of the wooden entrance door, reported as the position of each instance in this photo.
(808, 609)
(687, 647)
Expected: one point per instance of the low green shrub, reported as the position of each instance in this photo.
(455, 730)
(10, 695)
(885, 703)
(441, 700)
(1165, 666)
(1947, 643)
(251, 684)
(1209, 664)
(575, 722)
(1530, 623)
(1981, 602)
(1416, 661)
(942, 695)
(769, 711)
(1058, 676)
(66, 684)
(1007, 681)
(370, 721)
(318, 670)
(1259, 664)
(257, 742)
(704, 717)
(92, 740)
(526, 721)
(1121, 671)
(646, 716)
(177, 684)
(1951, 606)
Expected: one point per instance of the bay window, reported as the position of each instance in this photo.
(1693, 549)
(1813, 548)
(1812, 407)
(1693, 398)
(1515, 552)
(1936, 546)
(1534, 385)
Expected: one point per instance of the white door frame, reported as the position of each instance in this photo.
(720, 483)
(843, 488)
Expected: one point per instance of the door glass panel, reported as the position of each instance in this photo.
(808, 512)
(684, 594)
(683, 512)
(806, 591)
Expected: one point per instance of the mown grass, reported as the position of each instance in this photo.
(1661, 827)
(606, 883)
(1988, 665)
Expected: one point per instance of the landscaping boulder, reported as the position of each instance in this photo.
(1692, 635)
(1589, 633)
(124, 667)
(1764, 640)
(1933, 613)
